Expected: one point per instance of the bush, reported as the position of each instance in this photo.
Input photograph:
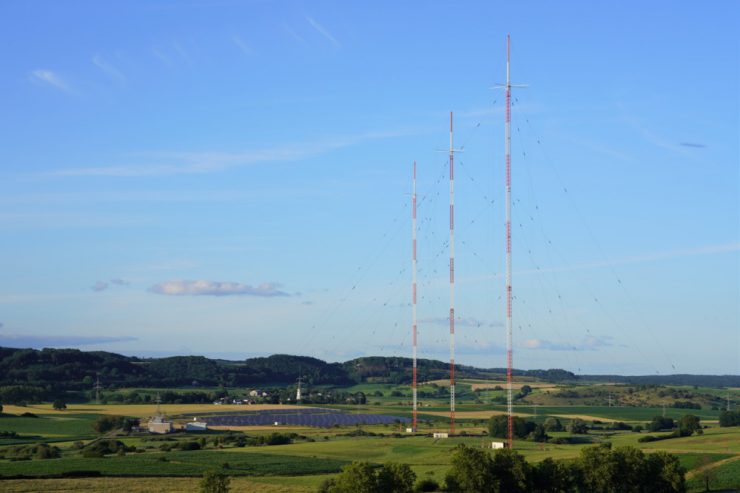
(101, 448)
(188, 446)
(578, 427)
(426, 485)
(476, 470)
(729, 418)
(104, 424)
(688, 425)
(686, 405)
(214, 482)
(361, 477)
(648, 438)
(27, 452)
(277, 439)
(660, 423)
(553, 424)
(498, 426)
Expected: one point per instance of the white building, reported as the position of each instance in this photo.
(160, 425)
(195, 425)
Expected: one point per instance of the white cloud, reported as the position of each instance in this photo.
(109, 69)
(322, 30)
(50, 78)
(586, 344)
(216, 288)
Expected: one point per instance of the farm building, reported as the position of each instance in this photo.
(159, 424)
(196, 425)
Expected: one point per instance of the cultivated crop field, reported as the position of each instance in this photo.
(314, 454)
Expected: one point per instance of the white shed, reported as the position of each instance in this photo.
(196, 425)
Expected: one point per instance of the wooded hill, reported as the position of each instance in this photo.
(29, 374)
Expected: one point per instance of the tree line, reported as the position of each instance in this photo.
(599, 469)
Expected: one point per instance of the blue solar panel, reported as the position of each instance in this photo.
(315, 417)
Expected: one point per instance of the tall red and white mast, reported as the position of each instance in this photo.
(452, 282)
(413, 294)
(509, 358)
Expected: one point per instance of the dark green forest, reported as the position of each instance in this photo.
(34, 375)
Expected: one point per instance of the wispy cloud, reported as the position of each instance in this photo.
(162, 57)
(49, 78)
(109, 69)
(634, 259)
(216, 288)
(586, 344)
(693, 144)
(294, 34)
(441, 349)
(177, 163)
(184, 55)
(101, 286)
(650, 257)
(460, 322)
(242, 45)
(323, 31)
(41, 341)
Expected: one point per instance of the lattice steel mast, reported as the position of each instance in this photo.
(509, 335)
(413, 295)
(452, 282)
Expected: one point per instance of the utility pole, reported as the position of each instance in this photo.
(298, 392)
(97, 389)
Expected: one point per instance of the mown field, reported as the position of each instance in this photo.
(319, 453)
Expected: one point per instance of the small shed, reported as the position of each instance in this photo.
(497, 445)
(196, 425)
(441, 435)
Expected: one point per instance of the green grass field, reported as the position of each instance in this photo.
(177, 464)
(302, 465)
(50, 427)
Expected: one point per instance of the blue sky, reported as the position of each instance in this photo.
(232, 179)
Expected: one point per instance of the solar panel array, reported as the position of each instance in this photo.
(319, 418)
